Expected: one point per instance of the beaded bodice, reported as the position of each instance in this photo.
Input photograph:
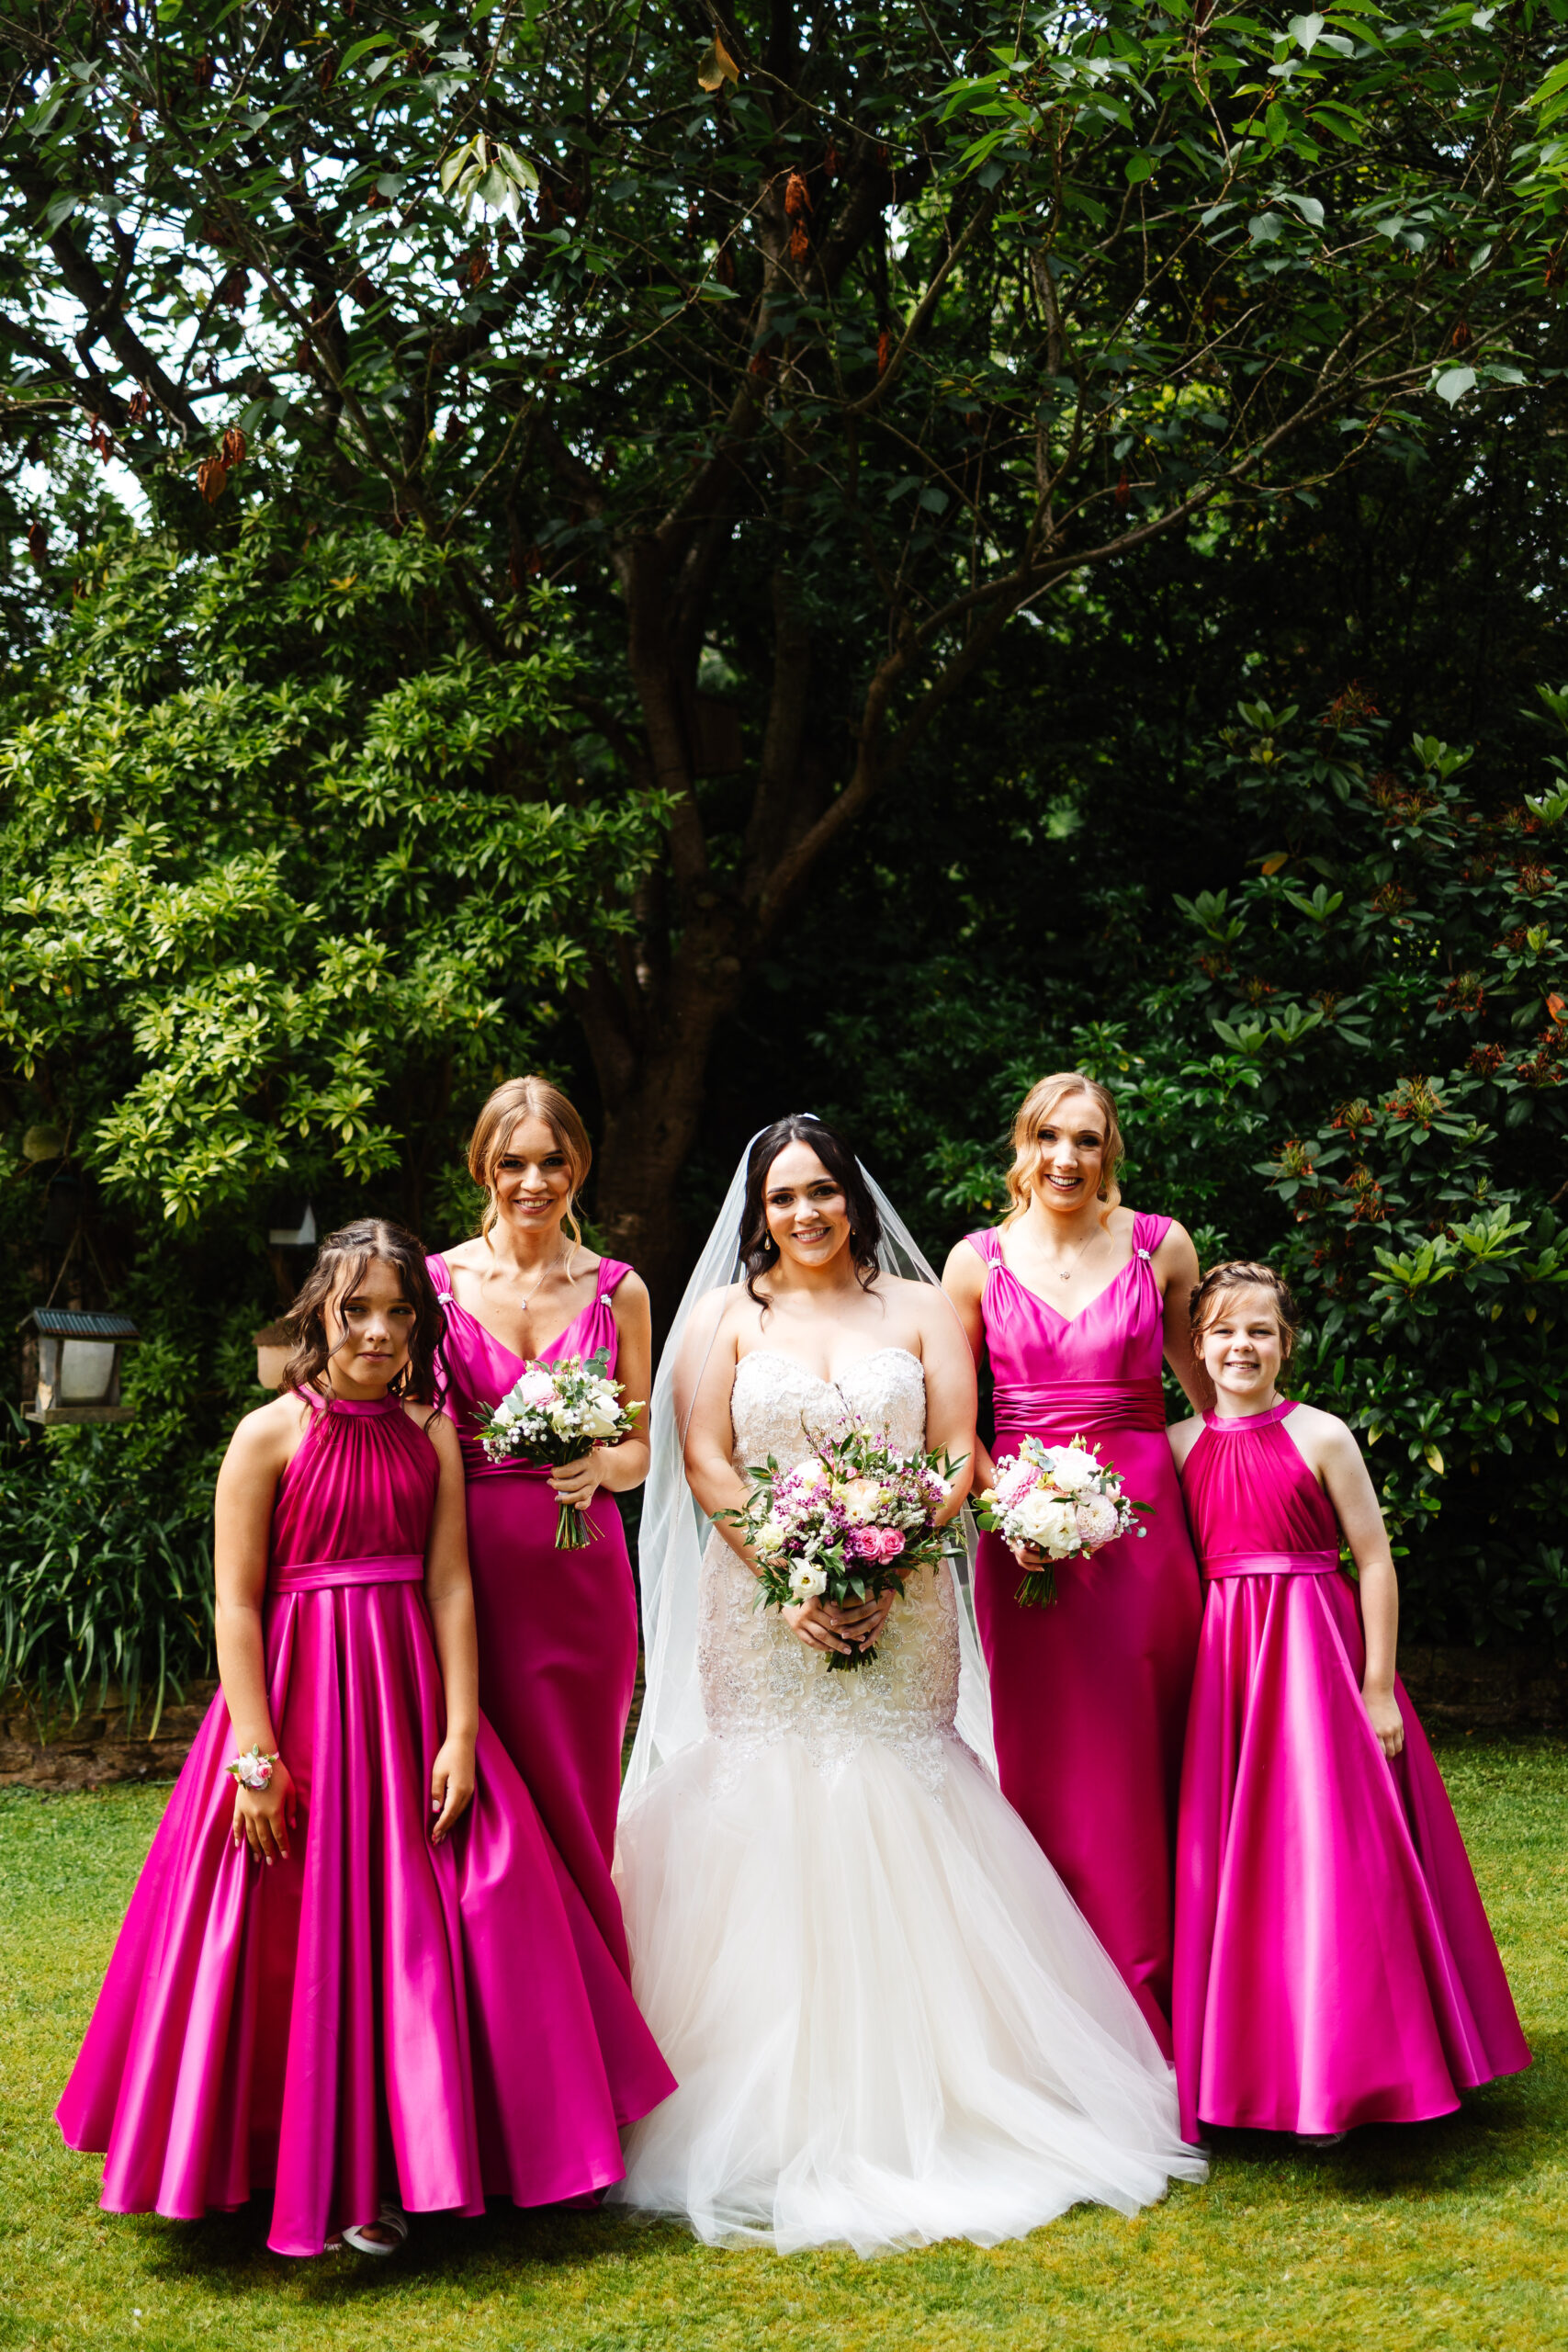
(759, 1682)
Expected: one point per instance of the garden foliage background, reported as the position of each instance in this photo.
(848, 559)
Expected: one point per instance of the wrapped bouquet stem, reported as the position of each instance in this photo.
(851, 1522)
(556, 1414)
(1062, 1499)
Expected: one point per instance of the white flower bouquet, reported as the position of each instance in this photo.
(1061, 1499)
(556, 1413)
(852, 1521)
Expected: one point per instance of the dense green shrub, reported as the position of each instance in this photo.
(1357, 1069)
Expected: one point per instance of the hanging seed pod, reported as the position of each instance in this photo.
(797, 198)
(800, 243)
(232, 448)
(884, 351)
(212, 479)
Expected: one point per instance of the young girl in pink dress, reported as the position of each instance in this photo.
(557, 1629)
(1334, 1965)
(353, 1972)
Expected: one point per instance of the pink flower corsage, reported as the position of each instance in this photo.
(251, 1767)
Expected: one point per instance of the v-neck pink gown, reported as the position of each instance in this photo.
(558, 1630)
(1088, 1698)
(1334, 1965)
(377, 2016)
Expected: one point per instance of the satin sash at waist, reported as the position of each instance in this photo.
(1085, 1405)
(320, 1576)
(477, 1463)
(1220, 1564)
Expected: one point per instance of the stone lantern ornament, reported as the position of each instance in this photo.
(78, 1366)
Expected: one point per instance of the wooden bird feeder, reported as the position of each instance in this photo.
(78, 1366)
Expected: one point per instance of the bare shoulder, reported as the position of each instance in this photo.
(631, 1292)
(965, 1270)
(266, 1439)
(472, 1255)
(1322, 1437)
(1184, 1436)
(432, 1423)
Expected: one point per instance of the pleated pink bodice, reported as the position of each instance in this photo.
(1253, 1506)
(354, 1502)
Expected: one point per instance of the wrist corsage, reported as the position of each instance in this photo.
(251, 1767)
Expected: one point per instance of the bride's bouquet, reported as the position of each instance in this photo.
(851, 1521)
(556, 1413)
(1061, 1499)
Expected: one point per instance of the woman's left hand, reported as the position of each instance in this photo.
(860, 1622)
(1382, 1714)
(451, 1785)
(577, 1483)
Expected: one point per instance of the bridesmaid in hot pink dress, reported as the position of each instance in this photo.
(1089, 1697)
(557, 1629)
(320, 1989)
(1334, 1965)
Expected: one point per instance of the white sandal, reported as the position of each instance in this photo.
(392, 2217)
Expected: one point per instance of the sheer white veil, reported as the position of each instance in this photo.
(675, 1527)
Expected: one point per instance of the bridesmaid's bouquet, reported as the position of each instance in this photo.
(1061, 1499)
(556, 1413)
(852, 1521)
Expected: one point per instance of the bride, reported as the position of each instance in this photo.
(888, 2021)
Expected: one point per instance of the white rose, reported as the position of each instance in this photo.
(563, 1421)
(1047, 1520)
(1074, 1468)
(862, 1500)
(1095, 1519)
(772, 1536)
(506, 1414)
(805, 1582)
(601, 1416)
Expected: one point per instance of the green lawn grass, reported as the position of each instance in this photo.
(1444, 2234)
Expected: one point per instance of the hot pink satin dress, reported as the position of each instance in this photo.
(558, 1630)
(378, 2017)
(1334, 1965)
(1088, 1698)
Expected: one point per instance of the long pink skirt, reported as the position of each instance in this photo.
(378, 2015)
(558, 1665)
(1334, 1965)
(1089, 1700)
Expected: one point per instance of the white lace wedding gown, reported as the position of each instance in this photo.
(888, 2020)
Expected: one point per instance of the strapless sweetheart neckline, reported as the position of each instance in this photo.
(778, 1356)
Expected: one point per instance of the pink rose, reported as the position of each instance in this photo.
(534, 1389)
(878, 1543)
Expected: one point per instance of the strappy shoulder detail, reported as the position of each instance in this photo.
(988, 1243)
(440, 1273)
(1148, 1232)
(612, 1273)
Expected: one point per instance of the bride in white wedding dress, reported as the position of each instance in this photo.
(888, 2020)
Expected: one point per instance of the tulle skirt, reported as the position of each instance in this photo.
(1334, 1965)
(378, 2017)
(889, 2021)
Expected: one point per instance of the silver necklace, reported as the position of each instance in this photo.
(530, 1296)
(1072, 1270)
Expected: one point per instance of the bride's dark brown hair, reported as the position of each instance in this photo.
(341, 1266)
(759, 1250)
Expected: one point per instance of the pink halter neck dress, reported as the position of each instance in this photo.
(378, 2017)
(558, 1630)
(1088, 1698)
(1334, 1965)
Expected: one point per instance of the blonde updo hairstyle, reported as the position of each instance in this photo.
(1222, 1283)
(527, 1098)
(1027, 1155)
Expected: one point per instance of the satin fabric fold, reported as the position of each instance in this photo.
(378, 2016)
(558, 1630)
(1334, 1965)
(1088, 1698)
